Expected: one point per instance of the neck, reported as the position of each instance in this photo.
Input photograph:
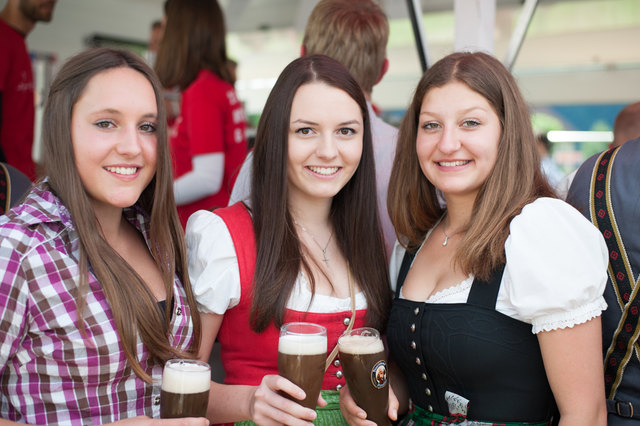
(458, 214)
(112, 224)
(311, 214)
(12, 16)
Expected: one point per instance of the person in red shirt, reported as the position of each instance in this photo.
(17, 105)
(208, 138)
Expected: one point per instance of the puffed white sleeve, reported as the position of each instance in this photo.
(556, 268)
(213, 265)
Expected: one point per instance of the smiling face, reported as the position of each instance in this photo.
(457, 142)
(113, 132)
(325, 142)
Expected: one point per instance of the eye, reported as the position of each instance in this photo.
(430, 125)
(470, 123)
(305, 131)
(346, 131)
(105, 124)
(148, 127)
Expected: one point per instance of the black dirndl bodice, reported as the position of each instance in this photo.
(472, 350)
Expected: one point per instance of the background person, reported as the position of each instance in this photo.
(306, 250)
(17, 102)
(208, 138)
(13, 186)
(549, 167)
(625, 128)
(499, 293)
(626, 125)
(615, 208)
(93, 271)
(355, 33)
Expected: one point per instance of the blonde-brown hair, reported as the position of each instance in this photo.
(514, 181)
(134, 308)
(353, 32)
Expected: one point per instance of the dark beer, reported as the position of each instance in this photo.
(301, 359)
(365, 368)
(185, 389)
(174, 405)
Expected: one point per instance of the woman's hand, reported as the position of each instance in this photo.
(268, 407)
(356, 415)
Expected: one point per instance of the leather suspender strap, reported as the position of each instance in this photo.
(5, 189)
(625, 338)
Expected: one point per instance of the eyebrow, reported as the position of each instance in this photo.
(464, 111)
(116, 111)
(313, 123)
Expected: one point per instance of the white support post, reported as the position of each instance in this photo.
(474, 25)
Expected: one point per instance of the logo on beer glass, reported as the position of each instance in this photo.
(379, 375)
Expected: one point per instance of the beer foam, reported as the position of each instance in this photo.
(357, 344)
(186, 378)
(297, 344)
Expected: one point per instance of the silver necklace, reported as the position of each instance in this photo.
(447, 237)
(325, 259)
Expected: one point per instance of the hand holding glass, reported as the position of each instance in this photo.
(365, 368)
(302, 352)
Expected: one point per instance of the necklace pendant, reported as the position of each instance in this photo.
(446, 240)
(325, 259)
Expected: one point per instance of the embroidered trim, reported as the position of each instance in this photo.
(576, 316)
(462, 287)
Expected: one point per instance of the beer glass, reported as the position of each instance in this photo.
(365, 369)
(302, 352)
(185, 389)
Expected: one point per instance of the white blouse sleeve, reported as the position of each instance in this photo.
(213, 265)
(556, 268)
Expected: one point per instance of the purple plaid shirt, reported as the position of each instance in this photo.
(49, 372)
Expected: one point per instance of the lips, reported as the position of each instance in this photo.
(126, 171)
(324, 171)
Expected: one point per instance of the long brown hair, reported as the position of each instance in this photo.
(353, 213)
(134, 308)
(193, 40)
(516, 178)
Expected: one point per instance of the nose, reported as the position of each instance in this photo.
(129, 144)
(327, 147)
(449, 142)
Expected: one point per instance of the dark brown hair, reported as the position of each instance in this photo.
(134, 308)
(353, 213)
(515, 180)
(193, 40)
